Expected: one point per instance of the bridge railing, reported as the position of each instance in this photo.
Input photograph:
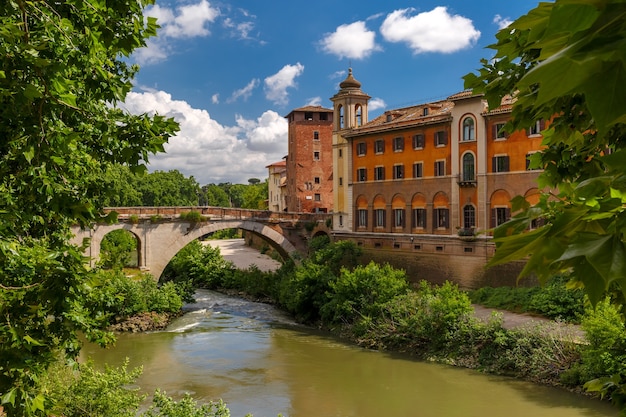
(222, 213)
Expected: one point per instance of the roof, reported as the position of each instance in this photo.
(439, 111)
(277, 164)
(313, 109)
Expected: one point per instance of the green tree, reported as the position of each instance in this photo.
(214, 195)
(63, 69)
(121, 186)
(117, 248)
(565, 62)
(171, 188)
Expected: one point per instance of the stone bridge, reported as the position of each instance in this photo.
(161, 232)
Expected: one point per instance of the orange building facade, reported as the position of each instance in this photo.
(440, 168)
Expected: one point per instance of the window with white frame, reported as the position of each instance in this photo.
(469, 216)
(440, 168)
(362, 218)
(469, 131)
(398, 171)
(398, 217)
(379, 173)
(361, 174)
(500, 163)
(468, 167)
(418, 170)
(361, 148)
(418, 141)
(441, 138)
(441, 218)
(398, 144)
(419, 218)
(379, 218)
(499, 132)
(379, 146)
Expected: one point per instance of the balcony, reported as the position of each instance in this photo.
(466, 181)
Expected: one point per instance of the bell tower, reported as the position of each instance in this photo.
(350, 112)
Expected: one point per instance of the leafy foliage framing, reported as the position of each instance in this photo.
(565, 61)
(62, 73)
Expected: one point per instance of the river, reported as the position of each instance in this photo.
(259, 361)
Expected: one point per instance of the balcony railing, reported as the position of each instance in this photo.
(466, 181)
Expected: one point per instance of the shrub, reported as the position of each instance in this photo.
(362, 292)
(201, 264)
(117, 248)
(164, 406)
(192, 216)
(93, 393)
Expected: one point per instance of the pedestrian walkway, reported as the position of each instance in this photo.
(514, 321)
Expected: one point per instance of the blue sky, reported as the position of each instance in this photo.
(230, 71)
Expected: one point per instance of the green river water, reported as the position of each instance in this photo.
(258, 361)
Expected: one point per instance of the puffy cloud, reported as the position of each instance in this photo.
(433, 31)
(186, 21)
(189, 21)
(502, 22)
(209, 151)
(376, 103)
(244, 92)
(353, 41)
(276, 85)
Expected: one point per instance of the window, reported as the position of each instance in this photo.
(361, 148)
(361, 218)
(379, 146)
(379, 173)
(358, 115)
(537, 128)
(468, 129)
(316, 135)
(361, 174)
(498, 131)
(340, 220)
(398, 217)
(469, 216)
(398, 144)
(317, 197)
(323, 116)
(529, 162)
(425, 111)
(468, 167)
(379, 218)
(500, 163)
(440, 168)
(500, 215)
(418, 170)
(308, 116)
(419, 218)
(340, 181)
(441, 138)
(441, 218)
(341, 121)
(316, 180)
(340, 153)
(398, 171)
(316, 156)
(418, 141)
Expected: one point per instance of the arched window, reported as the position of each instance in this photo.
(358, 115)
(468, 129)
(468, 167)
(469, 216)
(341, 121)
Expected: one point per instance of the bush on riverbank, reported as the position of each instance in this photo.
(554, 300)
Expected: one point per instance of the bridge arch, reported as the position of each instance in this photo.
(158, 243)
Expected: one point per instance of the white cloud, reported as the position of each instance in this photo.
(502, 22)
(184, 22)
(433, 31)
(209, 151)
(353, 41)
(276, 85)
(314, 101)
(244, 92)
(187, 22)
(215, 98)
(376, 103)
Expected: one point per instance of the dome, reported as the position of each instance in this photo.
(350, 81)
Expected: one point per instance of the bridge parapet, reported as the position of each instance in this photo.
(214, 213)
